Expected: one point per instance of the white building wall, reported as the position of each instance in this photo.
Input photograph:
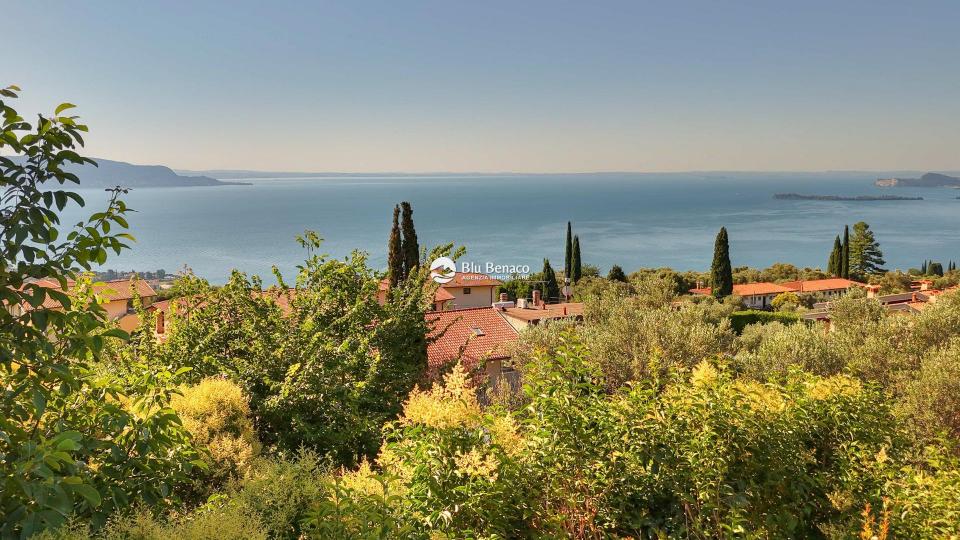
(478, 297)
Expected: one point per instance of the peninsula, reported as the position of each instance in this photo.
(108, 173)
(800, 197)
(931, 180)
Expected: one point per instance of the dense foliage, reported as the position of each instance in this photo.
(75, 440)
(301, 410)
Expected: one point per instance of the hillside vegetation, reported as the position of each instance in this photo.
(301, 410)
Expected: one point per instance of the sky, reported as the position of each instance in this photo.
(485, 86)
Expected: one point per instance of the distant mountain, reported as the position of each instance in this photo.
(110, 173)
(933, 180)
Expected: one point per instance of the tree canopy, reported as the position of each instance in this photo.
(866, 258)
(721, 272)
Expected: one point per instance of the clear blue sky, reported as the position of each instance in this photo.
(490, 85)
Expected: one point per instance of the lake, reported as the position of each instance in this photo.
(634, 220)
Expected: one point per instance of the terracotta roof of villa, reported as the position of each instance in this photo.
(443, 295)
(118, 289)
(749, 289)
(471, 335)
(752, 289)
(122, 289)
(440, 295)
(279, 296)
(820, 285)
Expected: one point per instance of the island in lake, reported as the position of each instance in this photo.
(800, 197)
(932, 180)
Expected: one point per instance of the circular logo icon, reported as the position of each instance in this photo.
(443, 270)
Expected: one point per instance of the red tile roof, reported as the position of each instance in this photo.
(548, 311)
(820, 285)
(122, 289)
(118, 289)
(749, 289)
(752, 289)
(471, 335)
(442, 295)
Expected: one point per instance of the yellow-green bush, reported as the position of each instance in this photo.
(217, 414)
(221, 523)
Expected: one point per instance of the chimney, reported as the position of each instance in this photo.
(504, 297)
(924, 285)
(536, 297)
(159, 322)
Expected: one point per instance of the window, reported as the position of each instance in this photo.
(466, 290)
(477, 331)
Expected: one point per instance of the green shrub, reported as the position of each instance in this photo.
(217, 415)
(784, 348)
(740, 319)
(281, 491)
(931, 399)
(458, 465)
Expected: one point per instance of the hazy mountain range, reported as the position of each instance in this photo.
(243, 174)
(109, 173)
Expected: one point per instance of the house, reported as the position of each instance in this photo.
(442, 299)
(532, 313)
(480, 338)
(117, 296)
(830, 288)
(899, 303)
(466, 290)
(471, 290)
(755, 295)
(182, 306)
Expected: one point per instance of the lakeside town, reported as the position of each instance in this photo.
(475, 320)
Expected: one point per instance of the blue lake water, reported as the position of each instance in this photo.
(629, 219)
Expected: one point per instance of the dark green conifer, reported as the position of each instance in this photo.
(575, 263)
(568, 254)
(845, 254)
(549, 288)
(395, 255)
(616, 274)
(411, 249)
(834, 265)
(721, 272)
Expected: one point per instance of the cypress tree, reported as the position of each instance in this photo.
(395, 258)
(568, 254)
(721, 272)
(936, 269)
(923, 268)
(616, 274)
(834, 264)
(411, 249)
(575, 264)
(549, 288)
(845, 254)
